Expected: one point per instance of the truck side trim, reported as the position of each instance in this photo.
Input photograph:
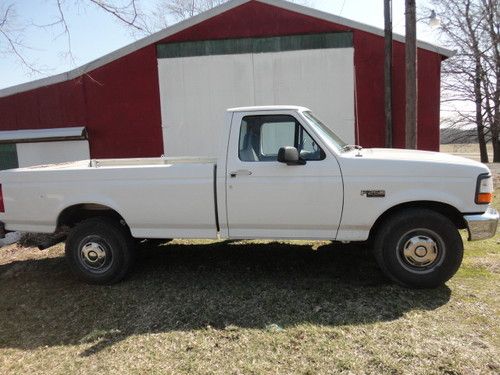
(215, 200)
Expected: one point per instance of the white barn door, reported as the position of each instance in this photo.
(320, 79)
(195, 92)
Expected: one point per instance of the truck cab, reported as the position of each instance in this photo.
(297, 194)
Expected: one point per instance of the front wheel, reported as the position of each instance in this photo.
(419, 248)
(100, 250)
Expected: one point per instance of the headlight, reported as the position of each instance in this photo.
(484, 189)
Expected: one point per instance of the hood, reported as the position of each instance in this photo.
(417, 155)
(392, 161)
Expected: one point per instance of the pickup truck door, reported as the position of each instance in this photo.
(269, 199)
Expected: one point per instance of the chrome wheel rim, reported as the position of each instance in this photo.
(95, 256)
(421, 250)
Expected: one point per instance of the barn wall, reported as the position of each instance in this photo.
(429, 86)
(369, 64)
(119, 102)
(54, 106)
(123, 107)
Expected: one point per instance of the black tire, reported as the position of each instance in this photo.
(418, 248)
(100, 250)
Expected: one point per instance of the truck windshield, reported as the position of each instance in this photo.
(324, 131)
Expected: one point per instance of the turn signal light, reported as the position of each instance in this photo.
(484, 198)
(484, 189)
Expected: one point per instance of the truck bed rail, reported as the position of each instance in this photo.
(96, 163)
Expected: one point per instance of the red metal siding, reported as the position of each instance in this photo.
(254, 19)
(120, 106)
(368, 62)
(54, 106)
(429, 72)
(123, 107)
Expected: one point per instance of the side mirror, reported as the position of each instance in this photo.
(290, 156)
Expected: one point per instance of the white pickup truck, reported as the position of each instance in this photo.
(280, 174)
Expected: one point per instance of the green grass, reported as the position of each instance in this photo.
(248, 307)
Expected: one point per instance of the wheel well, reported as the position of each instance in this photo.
(445, 209)
(72, 215)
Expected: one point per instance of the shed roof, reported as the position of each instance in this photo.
(43, 135)
(162, 34)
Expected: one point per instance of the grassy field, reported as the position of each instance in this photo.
(465, 148)
(247, 308)
(471, 151)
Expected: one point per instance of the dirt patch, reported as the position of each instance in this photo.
(33, 239)
(490, 263)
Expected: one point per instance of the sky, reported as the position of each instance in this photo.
(94, 33)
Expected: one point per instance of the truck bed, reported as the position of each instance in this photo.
(157, 197)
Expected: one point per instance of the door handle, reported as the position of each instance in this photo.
(240, 172)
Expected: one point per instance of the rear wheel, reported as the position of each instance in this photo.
(100, 251)
(418, 248)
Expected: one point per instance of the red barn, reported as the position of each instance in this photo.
(166, 93)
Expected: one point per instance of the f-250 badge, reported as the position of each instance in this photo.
(373, 193)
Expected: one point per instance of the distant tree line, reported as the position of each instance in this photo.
(471, 78)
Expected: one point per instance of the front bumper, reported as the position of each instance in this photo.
(2, 230)
(482, 226)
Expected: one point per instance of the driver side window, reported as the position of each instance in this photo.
(261, 137)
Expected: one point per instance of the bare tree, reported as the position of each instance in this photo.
(14, 29)
(471, 78)
(182, 9)
(12, 36)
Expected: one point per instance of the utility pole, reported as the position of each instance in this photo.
(411, 74)
(388, 71)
